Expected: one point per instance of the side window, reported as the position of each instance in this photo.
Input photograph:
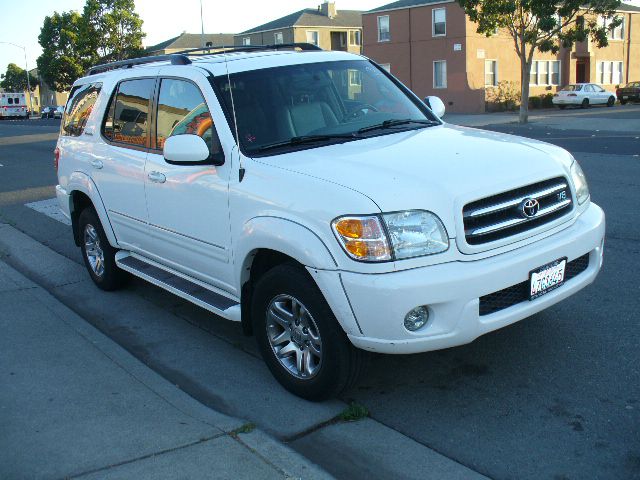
(79, 107)
(183, 110)
(127, 118)
(10, 101)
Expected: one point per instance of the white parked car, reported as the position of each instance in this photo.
(313, 198)
(583, 95)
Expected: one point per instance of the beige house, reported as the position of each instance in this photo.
(45, 96)
(433, 47)
(185, 41)
(326, 27)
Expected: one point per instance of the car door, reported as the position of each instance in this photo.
(188, 205)
(117, 162)
(601, 93)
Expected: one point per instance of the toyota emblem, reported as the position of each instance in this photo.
(529, 207)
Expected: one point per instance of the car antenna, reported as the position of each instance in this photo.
(241, 170)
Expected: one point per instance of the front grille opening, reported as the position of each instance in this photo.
(500, 216)
(510, 296)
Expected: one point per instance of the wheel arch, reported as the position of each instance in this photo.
(83, 193)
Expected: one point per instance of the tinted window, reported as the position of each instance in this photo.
(10, 101)
(183, 110)
(79, 107)
(127, 119)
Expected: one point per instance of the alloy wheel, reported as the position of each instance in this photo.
(294, 336)
(93, 250)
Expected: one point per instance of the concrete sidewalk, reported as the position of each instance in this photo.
(74, 404)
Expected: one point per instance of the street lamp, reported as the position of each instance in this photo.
(27, 67)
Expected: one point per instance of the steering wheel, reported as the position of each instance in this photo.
(362, 110)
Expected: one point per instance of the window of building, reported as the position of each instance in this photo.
(278, 38)
(439, 27)
(126, 120)
(545, 72)
(246, 41)
(609, 73)
(355, 37)
(384, 35)
(313, 37)
(490, 73)
(440, 74)
(182, 110)
(617, 33)
(355, 78)
(79, 107)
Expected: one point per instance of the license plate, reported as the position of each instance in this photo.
(546, 278)
(624, 97)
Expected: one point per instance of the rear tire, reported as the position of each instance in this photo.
(585, 103)
(623, 102)
(611, 101)
(98, 254)
(290, 314)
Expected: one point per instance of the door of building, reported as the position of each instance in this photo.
(582, 71)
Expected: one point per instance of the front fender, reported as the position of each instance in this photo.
(285, 236)
(81, 182)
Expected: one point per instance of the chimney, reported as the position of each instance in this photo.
(328, 9)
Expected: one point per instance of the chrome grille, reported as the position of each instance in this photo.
(500, 216)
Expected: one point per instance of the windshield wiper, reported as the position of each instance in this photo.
(395, 123)
(292, 142)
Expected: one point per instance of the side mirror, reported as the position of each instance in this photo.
(188, 149)
(436, 105)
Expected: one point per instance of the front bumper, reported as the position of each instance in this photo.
(452, 291)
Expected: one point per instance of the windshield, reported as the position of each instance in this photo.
(572, 88)
(310, 105)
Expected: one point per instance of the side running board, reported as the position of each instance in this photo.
(179, 285)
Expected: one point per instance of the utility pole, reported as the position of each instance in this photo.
(27, 67)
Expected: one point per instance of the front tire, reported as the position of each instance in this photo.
(585, 103)
(300, 339)
(98, 254)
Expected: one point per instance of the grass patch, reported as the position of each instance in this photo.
(246, 428)
(354, 412)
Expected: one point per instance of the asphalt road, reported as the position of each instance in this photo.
(554, 396)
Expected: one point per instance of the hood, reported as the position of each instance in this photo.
(434, 169)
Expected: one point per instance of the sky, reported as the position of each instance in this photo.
(162, 19)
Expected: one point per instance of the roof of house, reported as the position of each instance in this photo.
(193, 40)
(417, 3)
(312, 18)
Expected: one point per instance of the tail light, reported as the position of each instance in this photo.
(572, 95)
(56, 158)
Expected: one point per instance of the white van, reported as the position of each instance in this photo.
(13, 105)
(313, 198)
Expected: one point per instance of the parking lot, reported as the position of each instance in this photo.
(553, 396)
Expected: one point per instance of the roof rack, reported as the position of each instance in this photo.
(175, 59)
(305, 47)
(182, 57)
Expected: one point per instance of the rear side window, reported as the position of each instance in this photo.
(183, 110)
(127, 118)
(79, 107)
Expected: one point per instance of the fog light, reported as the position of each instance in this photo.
(416, 318)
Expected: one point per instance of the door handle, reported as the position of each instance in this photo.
(97, 164)
(89, 130)
(157, 177)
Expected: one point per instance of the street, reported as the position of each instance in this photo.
(554, 396)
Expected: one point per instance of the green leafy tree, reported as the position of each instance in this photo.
(62, 60)
(112, 30)
(15, 79)
(543, 25)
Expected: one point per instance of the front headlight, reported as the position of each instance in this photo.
(579, 182)
(408, 234)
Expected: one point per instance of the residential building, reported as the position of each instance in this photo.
(45, 96)
(326, 26)
(434, 48)
(185, 41)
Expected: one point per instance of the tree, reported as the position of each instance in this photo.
(112, 30)
(15, 79)
(62, 60)
(543, 25)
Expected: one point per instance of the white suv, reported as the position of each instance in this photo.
(312, 197)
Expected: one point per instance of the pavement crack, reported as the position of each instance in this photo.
(144, 457)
